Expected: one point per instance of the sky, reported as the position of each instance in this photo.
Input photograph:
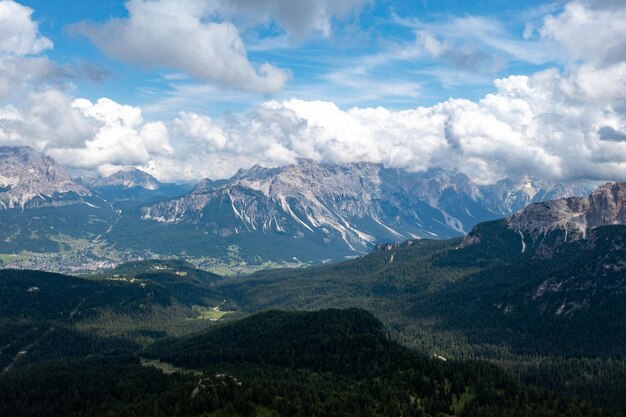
(190, 89)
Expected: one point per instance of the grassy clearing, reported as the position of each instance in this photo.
(7, 258)
(212, 314)
(69, 244)
(458, 404)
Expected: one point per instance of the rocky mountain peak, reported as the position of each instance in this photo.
(574, 216)
(28, 177)
(509, 195)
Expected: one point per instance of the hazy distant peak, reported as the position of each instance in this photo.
(129, 179)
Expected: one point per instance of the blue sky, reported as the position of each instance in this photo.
(188, 89)
(320, 65)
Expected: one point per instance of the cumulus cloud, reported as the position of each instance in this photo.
(103, 137)
(199, 38)
(593, 31)
(121, 138)
(19, 34)
(177, 34)
(562, 124)
(44, 117)
(20, 74)
(20, 43)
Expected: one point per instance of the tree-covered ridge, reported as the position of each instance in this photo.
(332, 363)
(329, 340)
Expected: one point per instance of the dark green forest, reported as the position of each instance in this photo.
(327, 363)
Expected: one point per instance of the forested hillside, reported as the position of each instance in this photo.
(557, 321)
(327, 363)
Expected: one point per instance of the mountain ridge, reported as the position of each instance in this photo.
(306, 212)
(360, 204)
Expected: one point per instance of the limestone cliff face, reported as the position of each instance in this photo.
(607, 205)
(575, 216)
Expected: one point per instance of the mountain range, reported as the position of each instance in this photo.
(360, 204)
(306, 212)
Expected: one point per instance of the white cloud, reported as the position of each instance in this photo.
(596, 35)
(45, 117)
(19, 34)
(20, 74)
(20, 42)
(52, 120)
(176, 34)
(300, 18)
(22, 67)
(562, 124)
(103, 136)
(122, 138)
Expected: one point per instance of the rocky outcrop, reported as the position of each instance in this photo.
(575, 216)
(607, 205)
(545, 227)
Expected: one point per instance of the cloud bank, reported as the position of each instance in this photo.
(564, 124)
(542, 125)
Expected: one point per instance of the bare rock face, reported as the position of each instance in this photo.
(575, 216)
(568, 214)
(31, 179)
(607, 205)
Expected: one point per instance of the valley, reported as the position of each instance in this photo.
(312, 208)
